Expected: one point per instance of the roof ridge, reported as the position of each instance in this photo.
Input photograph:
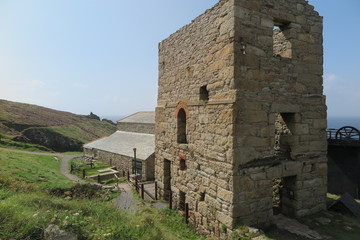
(96, 139)
(135, 114)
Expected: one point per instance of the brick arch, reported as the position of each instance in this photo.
(181, 105)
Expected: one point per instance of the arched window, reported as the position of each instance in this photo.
(181, 126)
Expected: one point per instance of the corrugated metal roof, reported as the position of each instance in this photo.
(123, 143)
(140, 117)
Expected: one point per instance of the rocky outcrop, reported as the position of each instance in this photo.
(50, 139)
(93, 116)
(53, 232)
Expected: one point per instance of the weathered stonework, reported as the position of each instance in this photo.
(240, 104)
(123, 163)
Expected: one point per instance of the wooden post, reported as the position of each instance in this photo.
(170, 199)
(117, 179)
(128, 176)
(142, 191)
(84, 173)
(156, 191)
(123, 173)
(187, 213)
(98, 178)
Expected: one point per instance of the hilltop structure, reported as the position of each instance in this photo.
(241, 112)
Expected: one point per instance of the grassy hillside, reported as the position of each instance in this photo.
(33, 195)
(57, 130)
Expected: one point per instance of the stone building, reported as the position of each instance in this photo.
(134, 131)
(240, 131)
(141, 122)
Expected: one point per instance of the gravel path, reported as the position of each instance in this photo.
(126, 199)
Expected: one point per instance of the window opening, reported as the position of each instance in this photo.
(181, 126)
(202, 196)
(182, 164)
(204, 94)
(284, 126)
(281, 44)
(284, 196)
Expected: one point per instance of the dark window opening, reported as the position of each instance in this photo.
(284, 196)
(182, 164)
(284, 126)
(182, 199)
(204, 94)
(202, 196)
(181, 126)
(167, 179)
(281, 44)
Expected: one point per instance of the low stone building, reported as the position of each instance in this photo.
(118, 149)
(141, 122)
(241, 115)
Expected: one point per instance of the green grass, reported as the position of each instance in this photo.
(7, 143)
(32, 170)
(15, 118)
(72, 153)
(29, 204)
(98, 165)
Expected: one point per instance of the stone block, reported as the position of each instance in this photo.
(243, 184)
(301, 129)
(224, 218)
(241, 210)
(267, 22)
(242, 13)
(225, 194)
(258, 176)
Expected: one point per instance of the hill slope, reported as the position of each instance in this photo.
(57, 130)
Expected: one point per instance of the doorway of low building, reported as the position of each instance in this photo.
(284, 196)
(167, 179)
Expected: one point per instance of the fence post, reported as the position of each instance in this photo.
(170, 199)
(98, 178)
(117, 179)
(136, 185)
(156, 198)
(84, 173)
(128, 176)
(187, 213)
(142, 191)
(123, 173)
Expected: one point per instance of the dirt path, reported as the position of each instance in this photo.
(64, 167)
(126, 199)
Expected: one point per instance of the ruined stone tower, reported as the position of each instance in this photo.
(241, 108)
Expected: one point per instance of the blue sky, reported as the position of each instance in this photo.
(101, 56)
